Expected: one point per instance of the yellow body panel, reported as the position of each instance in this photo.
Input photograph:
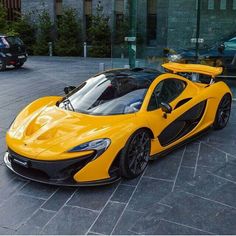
(193, 68)
(43, 131)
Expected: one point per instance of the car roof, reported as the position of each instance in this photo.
(136, 73)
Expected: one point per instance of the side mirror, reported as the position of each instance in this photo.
(166, 108)
(68, 89)
(221, 48)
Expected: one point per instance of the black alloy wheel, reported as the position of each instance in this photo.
(134, 158)
(223, 112)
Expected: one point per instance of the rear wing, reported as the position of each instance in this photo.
(193, 68)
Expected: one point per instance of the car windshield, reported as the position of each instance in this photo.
(12, 40)
(111, 93)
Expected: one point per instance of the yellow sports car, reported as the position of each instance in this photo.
(111, 125)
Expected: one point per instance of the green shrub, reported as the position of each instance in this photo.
(44, 34)
(69, 41)
(3, 19)
(100, 34)
(26, 30)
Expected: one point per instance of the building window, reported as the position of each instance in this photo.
(13, 9)
(223, 5)
(211, 4)
(119, 13)
(58, 8)
(88, 20)
(151, 22)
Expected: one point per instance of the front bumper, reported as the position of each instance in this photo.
(52, 172)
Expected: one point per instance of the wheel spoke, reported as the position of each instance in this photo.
(138, 153)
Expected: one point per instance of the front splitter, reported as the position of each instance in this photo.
(22, 172)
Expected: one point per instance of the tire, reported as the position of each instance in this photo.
(223, 112)
(135, 155)
(2, 65)
(19, 65)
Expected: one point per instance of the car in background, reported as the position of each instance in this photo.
(12, 52)
(222, 53)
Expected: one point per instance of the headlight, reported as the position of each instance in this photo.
(9, 54)
(99, 145)
(174, 57)
(2, 54)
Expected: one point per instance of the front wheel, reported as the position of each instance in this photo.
(134, 157)
(223, 112)
(2, 65)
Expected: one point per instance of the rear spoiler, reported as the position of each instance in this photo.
(193, 68)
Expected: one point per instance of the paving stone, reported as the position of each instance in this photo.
(148, 192)
(36, 222)
(108, 218)
(210, 156)
(185, 178)
(2, 145)
(223, 136)
(231, 159)
(123, 193)
(70, 221)
(6, 231)
(92, 233)
(132, 182)
(215, 188)
(10, 187)
(200, 213)
(5, 175)
(227, 148)
(17, 209)
(227, 171)
(170, 228)
(38, 190)
(93, 198)
(166, 167)
(189, 177)
(59, 198)
(148, 223)
(126, 222)
(190, 154)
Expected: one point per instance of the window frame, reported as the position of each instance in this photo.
(153, 92)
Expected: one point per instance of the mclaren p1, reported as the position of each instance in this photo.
(111, 125)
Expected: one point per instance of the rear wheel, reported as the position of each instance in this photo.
(19, 65)
(223, 112)
(134, 157)
(2, 65)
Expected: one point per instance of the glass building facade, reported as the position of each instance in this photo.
(150, 32)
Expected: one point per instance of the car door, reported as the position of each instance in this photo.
(185, 114)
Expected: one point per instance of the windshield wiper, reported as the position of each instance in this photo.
(68, 105)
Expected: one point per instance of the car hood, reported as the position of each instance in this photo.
(52, 131)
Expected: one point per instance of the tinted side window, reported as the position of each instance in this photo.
(12, 40)
(166, 91)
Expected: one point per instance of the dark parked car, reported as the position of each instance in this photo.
(222, 53)
(12, 52)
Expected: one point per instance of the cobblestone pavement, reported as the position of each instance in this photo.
(190, 191)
